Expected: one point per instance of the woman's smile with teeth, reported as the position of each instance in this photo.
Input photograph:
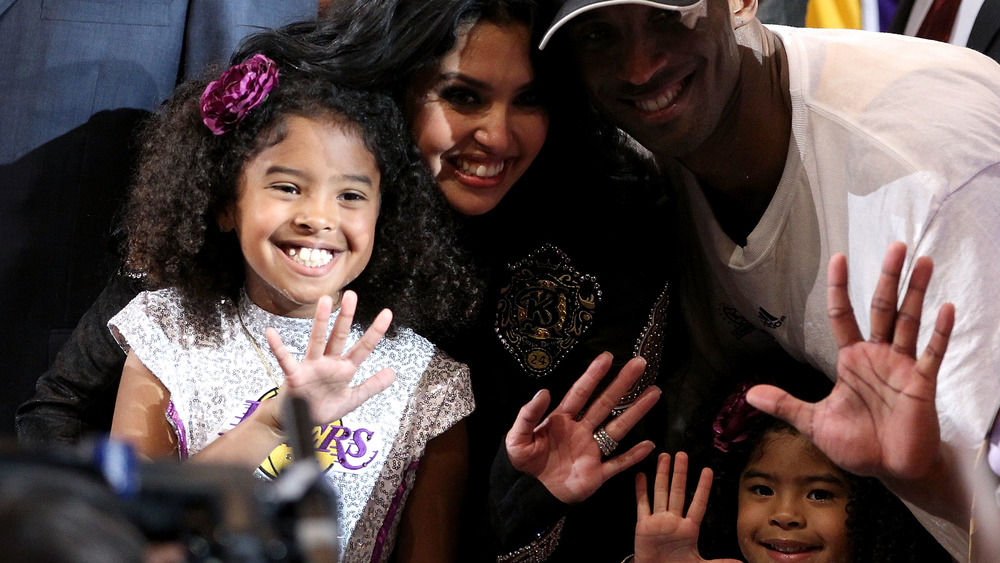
(480, 170)
(310, 257)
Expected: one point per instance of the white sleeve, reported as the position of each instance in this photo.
(963, 239)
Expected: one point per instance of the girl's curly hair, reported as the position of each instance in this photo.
(188, 176)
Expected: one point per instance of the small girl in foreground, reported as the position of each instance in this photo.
(791, 504)
(262, 197)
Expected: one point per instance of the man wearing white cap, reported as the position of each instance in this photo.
(788, 146)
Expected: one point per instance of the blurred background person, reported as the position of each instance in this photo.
(968, 23)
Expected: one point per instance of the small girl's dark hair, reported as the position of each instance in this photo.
(879, 526)
(188, 176)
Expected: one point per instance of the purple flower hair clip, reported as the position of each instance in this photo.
(226, 101)
(731, 423)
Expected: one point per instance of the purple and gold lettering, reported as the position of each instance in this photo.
(251, 406)
(345, 445)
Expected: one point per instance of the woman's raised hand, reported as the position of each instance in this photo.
(323, 377)
(663, 533)
(562, 451)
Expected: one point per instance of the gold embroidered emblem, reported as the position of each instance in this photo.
(544, 309)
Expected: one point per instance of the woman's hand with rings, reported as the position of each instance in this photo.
(563, 450)
(604, 441)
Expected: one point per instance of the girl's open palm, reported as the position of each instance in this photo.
(663, 533)
(323, 377)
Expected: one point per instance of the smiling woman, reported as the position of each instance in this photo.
(479, 125)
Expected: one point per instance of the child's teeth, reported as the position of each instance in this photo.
(311, 257)
(482, 170)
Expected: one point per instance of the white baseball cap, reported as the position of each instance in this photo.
(572, 8)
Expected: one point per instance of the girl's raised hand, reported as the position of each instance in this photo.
(323, 377)
(663, 533)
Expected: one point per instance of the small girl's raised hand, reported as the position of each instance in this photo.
(662, 532)
(323, 377)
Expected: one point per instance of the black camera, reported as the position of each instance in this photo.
(98, 502)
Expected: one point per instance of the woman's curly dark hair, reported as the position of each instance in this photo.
(188, 176)
(879, 526)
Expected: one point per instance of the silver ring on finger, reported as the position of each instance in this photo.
(605, 442)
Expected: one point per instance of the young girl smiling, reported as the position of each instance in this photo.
(263, 200)
(792, 504)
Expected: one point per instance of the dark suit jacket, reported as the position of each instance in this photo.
(79, 75)
(985, 34)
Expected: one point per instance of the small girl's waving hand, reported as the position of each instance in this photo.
(663, 533)
(323, 377)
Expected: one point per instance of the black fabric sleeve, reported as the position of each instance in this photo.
(521, 508)
(76, 395)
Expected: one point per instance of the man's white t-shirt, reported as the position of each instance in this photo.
(893, 139)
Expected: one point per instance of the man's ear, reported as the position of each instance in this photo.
(743, 12)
